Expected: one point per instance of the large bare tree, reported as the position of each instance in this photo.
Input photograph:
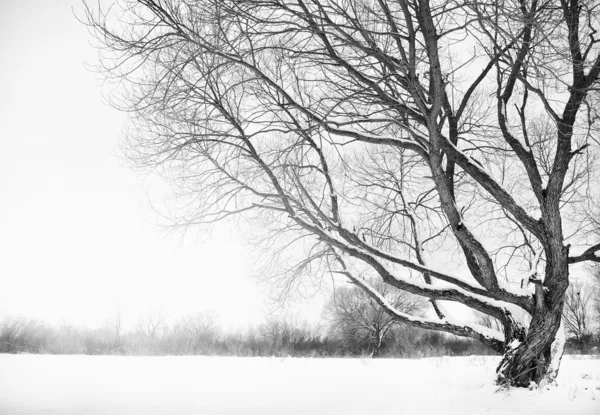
(445, 147)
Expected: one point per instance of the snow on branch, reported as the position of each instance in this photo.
(483, 304)
(510, 296)
(490, 337)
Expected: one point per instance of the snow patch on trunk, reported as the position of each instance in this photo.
(556, 353)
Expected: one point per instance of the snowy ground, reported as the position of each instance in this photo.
(37, 384)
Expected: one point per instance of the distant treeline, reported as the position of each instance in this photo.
(199, 335)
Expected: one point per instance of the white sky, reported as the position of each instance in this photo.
(75, 236)
(76, 242)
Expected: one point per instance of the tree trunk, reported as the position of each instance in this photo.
(375, 352)
(535, 357)
(376, 349)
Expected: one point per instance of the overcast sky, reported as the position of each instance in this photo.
(75, 236)
(76, 241)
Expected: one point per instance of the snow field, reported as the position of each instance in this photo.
(44, 384)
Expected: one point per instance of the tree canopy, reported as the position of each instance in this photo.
(447, 148)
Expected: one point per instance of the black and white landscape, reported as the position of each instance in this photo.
(314, 206)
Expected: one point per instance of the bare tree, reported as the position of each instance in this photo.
(357, 316)
(445, 147)
(577, 310)
(201, 328)
(151, 324)
(595, 294)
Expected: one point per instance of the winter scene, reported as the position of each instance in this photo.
(300, 206)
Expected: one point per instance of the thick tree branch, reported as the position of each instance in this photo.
(491, 338)
(589, 254)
